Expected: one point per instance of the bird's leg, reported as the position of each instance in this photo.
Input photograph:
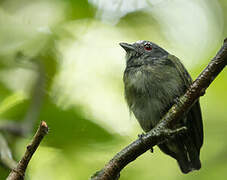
(141, 135)
(177, 100)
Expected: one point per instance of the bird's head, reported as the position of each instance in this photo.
(142, 51)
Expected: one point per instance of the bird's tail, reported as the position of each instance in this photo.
(187, 165)
(188, 160)
(184, 151)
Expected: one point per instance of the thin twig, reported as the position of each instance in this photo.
(112, 169)
(19, 172)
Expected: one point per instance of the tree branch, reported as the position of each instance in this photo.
(19, 171)
(158, 134)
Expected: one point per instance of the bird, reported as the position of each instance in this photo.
(153, 81)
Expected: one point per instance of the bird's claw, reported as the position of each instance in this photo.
(176, 100)
(141, 135)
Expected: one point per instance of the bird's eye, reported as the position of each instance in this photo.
(148, 47)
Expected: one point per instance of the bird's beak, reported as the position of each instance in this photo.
(127, 47)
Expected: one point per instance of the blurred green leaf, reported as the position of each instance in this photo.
(4, 91)
(69, 128)
(17, 112)
(11, 101)
(79, 9)
(4, 172)
(147, 26)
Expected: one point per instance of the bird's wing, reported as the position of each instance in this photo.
(180, 67)
(194, 117)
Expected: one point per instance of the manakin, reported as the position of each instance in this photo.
(153, 81)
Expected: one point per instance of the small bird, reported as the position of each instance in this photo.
(153, 82)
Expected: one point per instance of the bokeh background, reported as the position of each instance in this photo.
(60, 61)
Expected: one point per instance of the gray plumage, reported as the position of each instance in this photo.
(153, 80)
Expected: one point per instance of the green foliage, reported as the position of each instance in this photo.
(78, 9)
(4, 91)
(148, 29)
(75, 131)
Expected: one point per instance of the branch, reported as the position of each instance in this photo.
(19, 171)
(158, 134)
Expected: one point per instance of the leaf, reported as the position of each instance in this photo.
(79, 9)
(11, 101)
(70, 128)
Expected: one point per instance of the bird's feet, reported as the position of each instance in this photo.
(176, 100)
(140, 135)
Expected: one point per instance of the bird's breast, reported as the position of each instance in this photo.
(148, 93)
